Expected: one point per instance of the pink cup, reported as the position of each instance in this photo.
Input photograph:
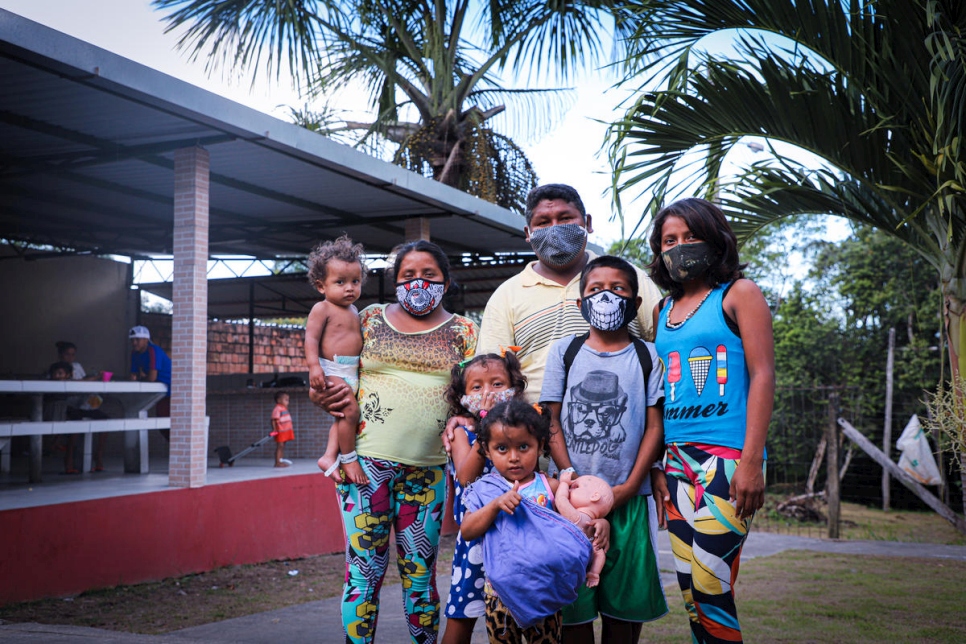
(106, 375)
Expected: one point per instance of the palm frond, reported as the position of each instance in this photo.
(239, 33)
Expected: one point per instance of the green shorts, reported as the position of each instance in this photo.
(630, 583)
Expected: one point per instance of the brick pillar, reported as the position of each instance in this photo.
(417, 228)
(187, 465)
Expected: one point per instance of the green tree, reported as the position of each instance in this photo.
(872, 282)
(435, 59)
(876, 90)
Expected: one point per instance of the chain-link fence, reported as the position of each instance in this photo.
(799, 423)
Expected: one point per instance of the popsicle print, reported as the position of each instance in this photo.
(722, 370)
(674, 371)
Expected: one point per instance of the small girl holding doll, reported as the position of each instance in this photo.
(534, 558)
(476, 387)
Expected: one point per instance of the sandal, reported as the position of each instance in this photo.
(70, 470)
(97, 468)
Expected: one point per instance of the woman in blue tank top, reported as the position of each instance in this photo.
(714, 336)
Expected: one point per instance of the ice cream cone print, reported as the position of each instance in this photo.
(699, 362)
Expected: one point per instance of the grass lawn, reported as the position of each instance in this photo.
(799, 596)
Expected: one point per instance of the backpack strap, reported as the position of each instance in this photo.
(643, 356)
(572, 350)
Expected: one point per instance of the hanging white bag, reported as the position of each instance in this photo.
(917, 459)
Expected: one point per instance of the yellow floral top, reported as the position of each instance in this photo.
(402, 383)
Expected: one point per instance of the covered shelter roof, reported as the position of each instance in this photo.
(87, 141)
(291, 295)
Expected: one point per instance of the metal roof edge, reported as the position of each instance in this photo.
(86, 63)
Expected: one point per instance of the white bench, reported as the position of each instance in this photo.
(87, 427)
(135, 397)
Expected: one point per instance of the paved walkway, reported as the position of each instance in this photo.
(320, 621)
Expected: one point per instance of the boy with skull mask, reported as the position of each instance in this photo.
(606, 421)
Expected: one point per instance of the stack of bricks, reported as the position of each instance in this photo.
(277, 348)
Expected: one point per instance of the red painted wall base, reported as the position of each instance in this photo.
(65, 549)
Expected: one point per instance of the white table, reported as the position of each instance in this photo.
(136, 398)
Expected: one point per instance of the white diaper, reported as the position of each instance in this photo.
(345, 367)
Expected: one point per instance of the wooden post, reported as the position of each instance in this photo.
(832, 466)
(887, 430)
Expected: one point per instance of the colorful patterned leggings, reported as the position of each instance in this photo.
(706, 537)
(409, 500)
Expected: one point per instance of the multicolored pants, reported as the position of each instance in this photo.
(409, 500)
(706, 537)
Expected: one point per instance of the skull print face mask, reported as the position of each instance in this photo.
(607, 311)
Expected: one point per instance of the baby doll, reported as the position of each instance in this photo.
(581, 500)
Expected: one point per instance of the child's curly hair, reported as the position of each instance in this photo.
(516, 413)
(342, 249)
(457, 380)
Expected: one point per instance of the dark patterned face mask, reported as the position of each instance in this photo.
(420, 297)
(687, 261)
(607, 311)
(558, 245)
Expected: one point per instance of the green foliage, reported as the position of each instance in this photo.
(435, 60)
(870, 93)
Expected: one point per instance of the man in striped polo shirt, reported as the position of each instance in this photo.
(539, 305)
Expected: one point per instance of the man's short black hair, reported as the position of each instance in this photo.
(551, 191)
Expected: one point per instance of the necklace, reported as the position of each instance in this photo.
(677, 325)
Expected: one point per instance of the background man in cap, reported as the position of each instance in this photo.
(149, 363)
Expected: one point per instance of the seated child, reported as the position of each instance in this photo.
(476, 386)
(333, 341)
(534, 559)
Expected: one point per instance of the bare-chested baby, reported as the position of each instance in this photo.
(333, 341)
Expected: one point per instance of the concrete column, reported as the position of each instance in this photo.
(417, 228)
(187, 466)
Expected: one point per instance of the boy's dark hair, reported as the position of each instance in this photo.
(516, 413)
(551, 191)
(611, 261)
(422, 246)
(707, 223)
(279, 394)
(342, 249)
(64, 345)
(60, 365)
(457, 379)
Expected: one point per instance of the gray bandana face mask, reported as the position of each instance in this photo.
(558, 245)
(607, 311)
(686, 262)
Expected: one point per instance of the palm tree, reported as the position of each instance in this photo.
(433, 59)
(876, 89)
